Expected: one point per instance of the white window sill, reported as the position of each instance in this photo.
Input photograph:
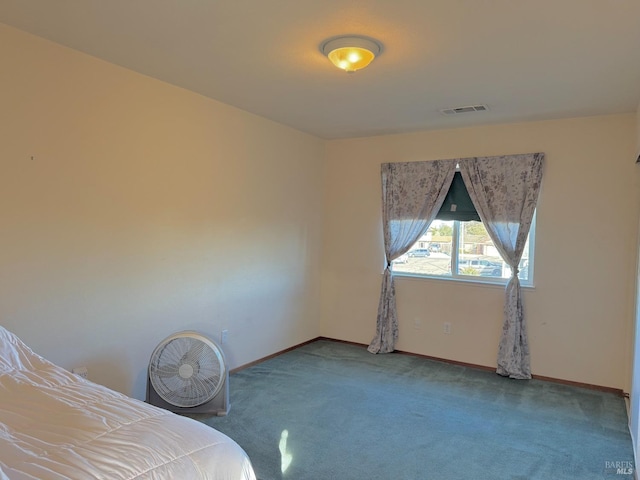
(480, 282)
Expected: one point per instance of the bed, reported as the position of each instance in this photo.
(55, 425)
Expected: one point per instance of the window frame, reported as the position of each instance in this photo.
(455, 258)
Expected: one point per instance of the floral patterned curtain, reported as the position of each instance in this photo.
(412, 194)
(504, 191)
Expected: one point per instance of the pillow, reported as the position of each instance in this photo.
(15, 355)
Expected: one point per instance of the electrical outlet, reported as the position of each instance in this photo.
(224, 337)
(417, 323)
(446, 328)
(81, 372)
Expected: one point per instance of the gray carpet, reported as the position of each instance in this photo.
(349, 414)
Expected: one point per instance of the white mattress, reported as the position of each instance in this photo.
(55, 425)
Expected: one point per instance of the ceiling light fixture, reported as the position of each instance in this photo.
(351, 53)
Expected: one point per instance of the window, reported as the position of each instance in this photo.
(458, 246)
(462, 250)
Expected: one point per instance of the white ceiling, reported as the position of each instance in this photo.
(527, 60)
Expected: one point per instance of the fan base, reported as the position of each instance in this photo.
(218, 405)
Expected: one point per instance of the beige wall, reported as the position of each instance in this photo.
(130, 209)
(638, 132)
(634, 408)
(580, 311)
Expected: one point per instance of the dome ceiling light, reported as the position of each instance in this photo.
(351, 53)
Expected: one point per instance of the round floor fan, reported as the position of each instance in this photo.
(188, 374)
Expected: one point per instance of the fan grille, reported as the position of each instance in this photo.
(187, 369)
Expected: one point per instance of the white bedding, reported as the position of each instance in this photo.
(55, 425)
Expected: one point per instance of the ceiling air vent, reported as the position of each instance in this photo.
(466, 109)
